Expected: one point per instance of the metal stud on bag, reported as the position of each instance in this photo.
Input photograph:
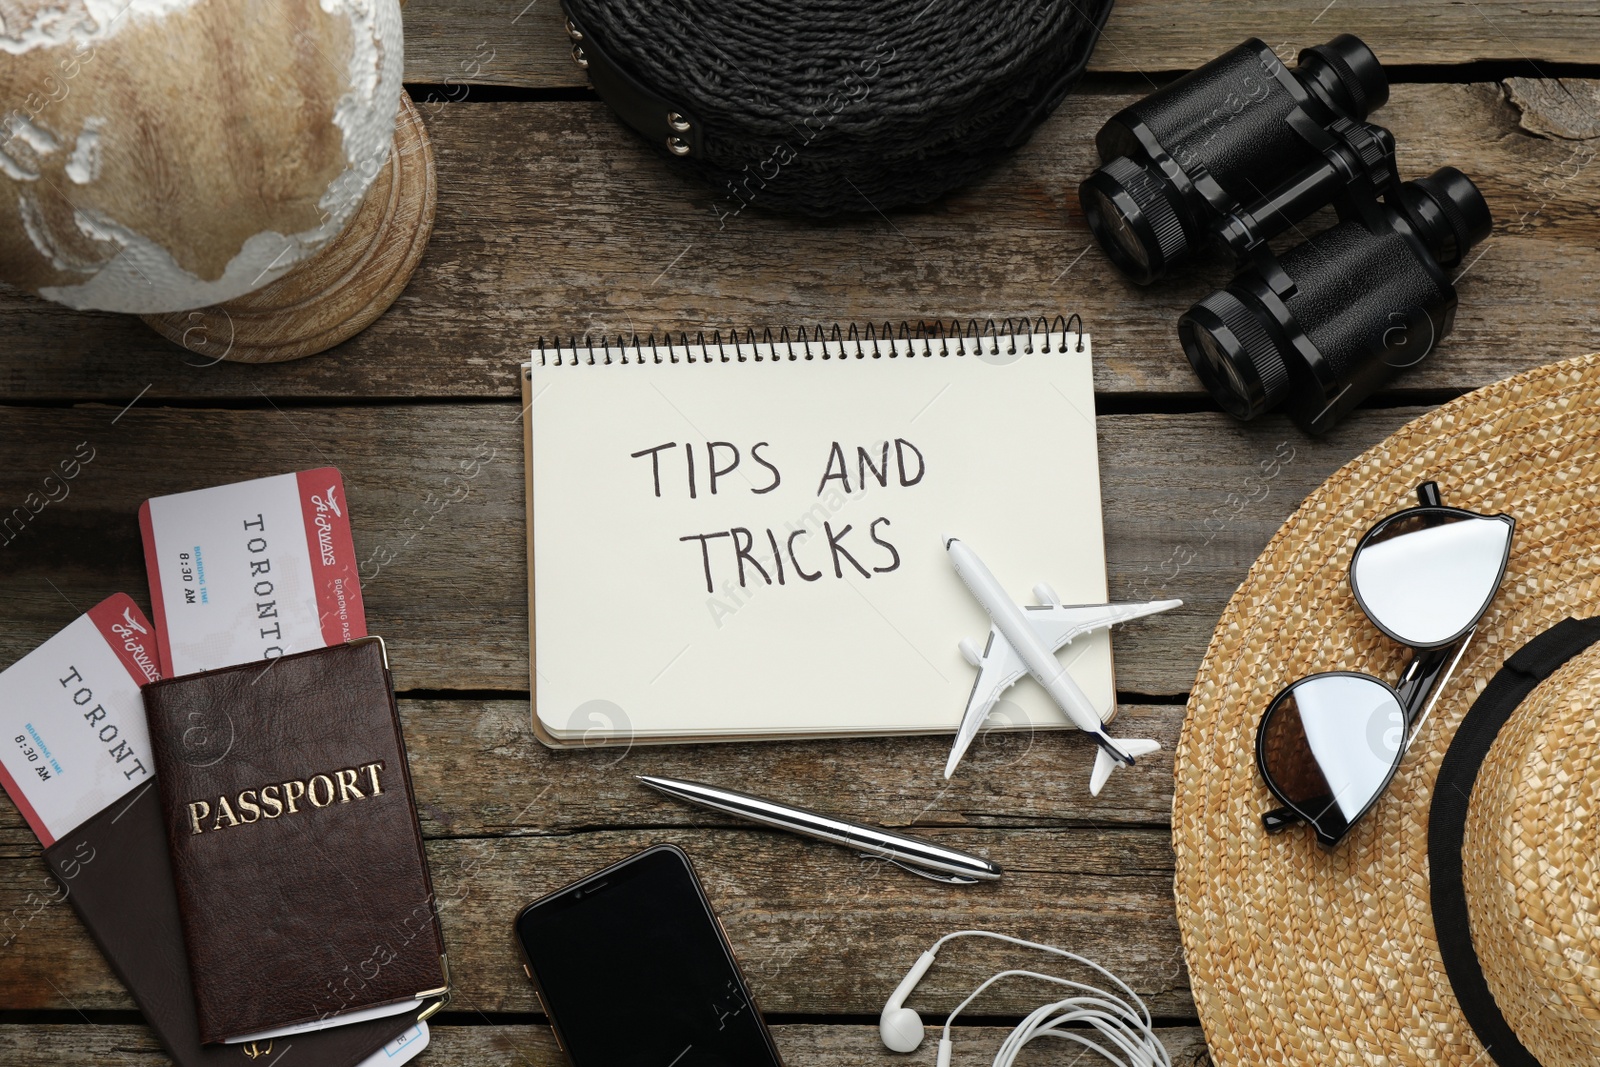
(677, 145)
(644, 111)
(577, 46)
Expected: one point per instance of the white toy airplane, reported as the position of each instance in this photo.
(1024, 641)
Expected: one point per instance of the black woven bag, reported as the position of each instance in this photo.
(818, 107)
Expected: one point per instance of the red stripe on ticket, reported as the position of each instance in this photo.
(20, 799)
(333, 555)
(130, 636)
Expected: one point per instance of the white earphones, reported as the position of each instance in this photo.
(1126, 1026)
(899, 1026)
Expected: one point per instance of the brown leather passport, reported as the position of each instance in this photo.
(302, 883)
(115, 872)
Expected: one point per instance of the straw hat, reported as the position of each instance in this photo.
(1304, 955)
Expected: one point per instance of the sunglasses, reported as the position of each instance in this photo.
(1329, 744)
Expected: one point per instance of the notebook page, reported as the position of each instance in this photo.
(747, 548)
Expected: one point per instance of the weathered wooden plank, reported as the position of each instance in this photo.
(462, 42)
(1189, 502)
(1564, 108)
(554, 219)
(818, 931)
(480, 772)
(807, 1045)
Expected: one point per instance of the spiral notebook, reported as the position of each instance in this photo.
(742, 537)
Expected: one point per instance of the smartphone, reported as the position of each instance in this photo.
(634, 970)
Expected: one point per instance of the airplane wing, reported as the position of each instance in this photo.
(999, 667)
(1057, 624)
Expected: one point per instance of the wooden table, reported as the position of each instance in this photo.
(554, 219)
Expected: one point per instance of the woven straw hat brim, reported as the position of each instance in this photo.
(1530, 870)
(1302, 955)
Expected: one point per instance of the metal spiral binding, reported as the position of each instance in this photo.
(869, 342)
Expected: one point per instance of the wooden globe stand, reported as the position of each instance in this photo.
(344, 286)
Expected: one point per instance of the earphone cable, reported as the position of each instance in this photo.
(1144, 1012)
(1142, 1051)
(1130, 1030)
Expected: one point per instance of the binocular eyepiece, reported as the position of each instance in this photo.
(1241, 150)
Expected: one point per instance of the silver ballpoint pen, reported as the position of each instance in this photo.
(910, 853)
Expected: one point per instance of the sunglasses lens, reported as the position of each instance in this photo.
(1426, 575)
(1328, 745)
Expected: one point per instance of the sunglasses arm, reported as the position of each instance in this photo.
(1413, 722)
(1427, 667)
(1279, 819)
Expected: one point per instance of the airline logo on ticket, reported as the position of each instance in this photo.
(251, 571)
(72, 720)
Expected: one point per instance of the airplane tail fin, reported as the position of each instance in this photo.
(1105, 761)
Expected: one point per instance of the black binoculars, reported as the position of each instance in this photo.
(1240, 151)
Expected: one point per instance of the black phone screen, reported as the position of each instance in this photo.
(634, 971)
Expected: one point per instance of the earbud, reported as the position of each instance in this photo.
(900, 1026)
(1120, 1028)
